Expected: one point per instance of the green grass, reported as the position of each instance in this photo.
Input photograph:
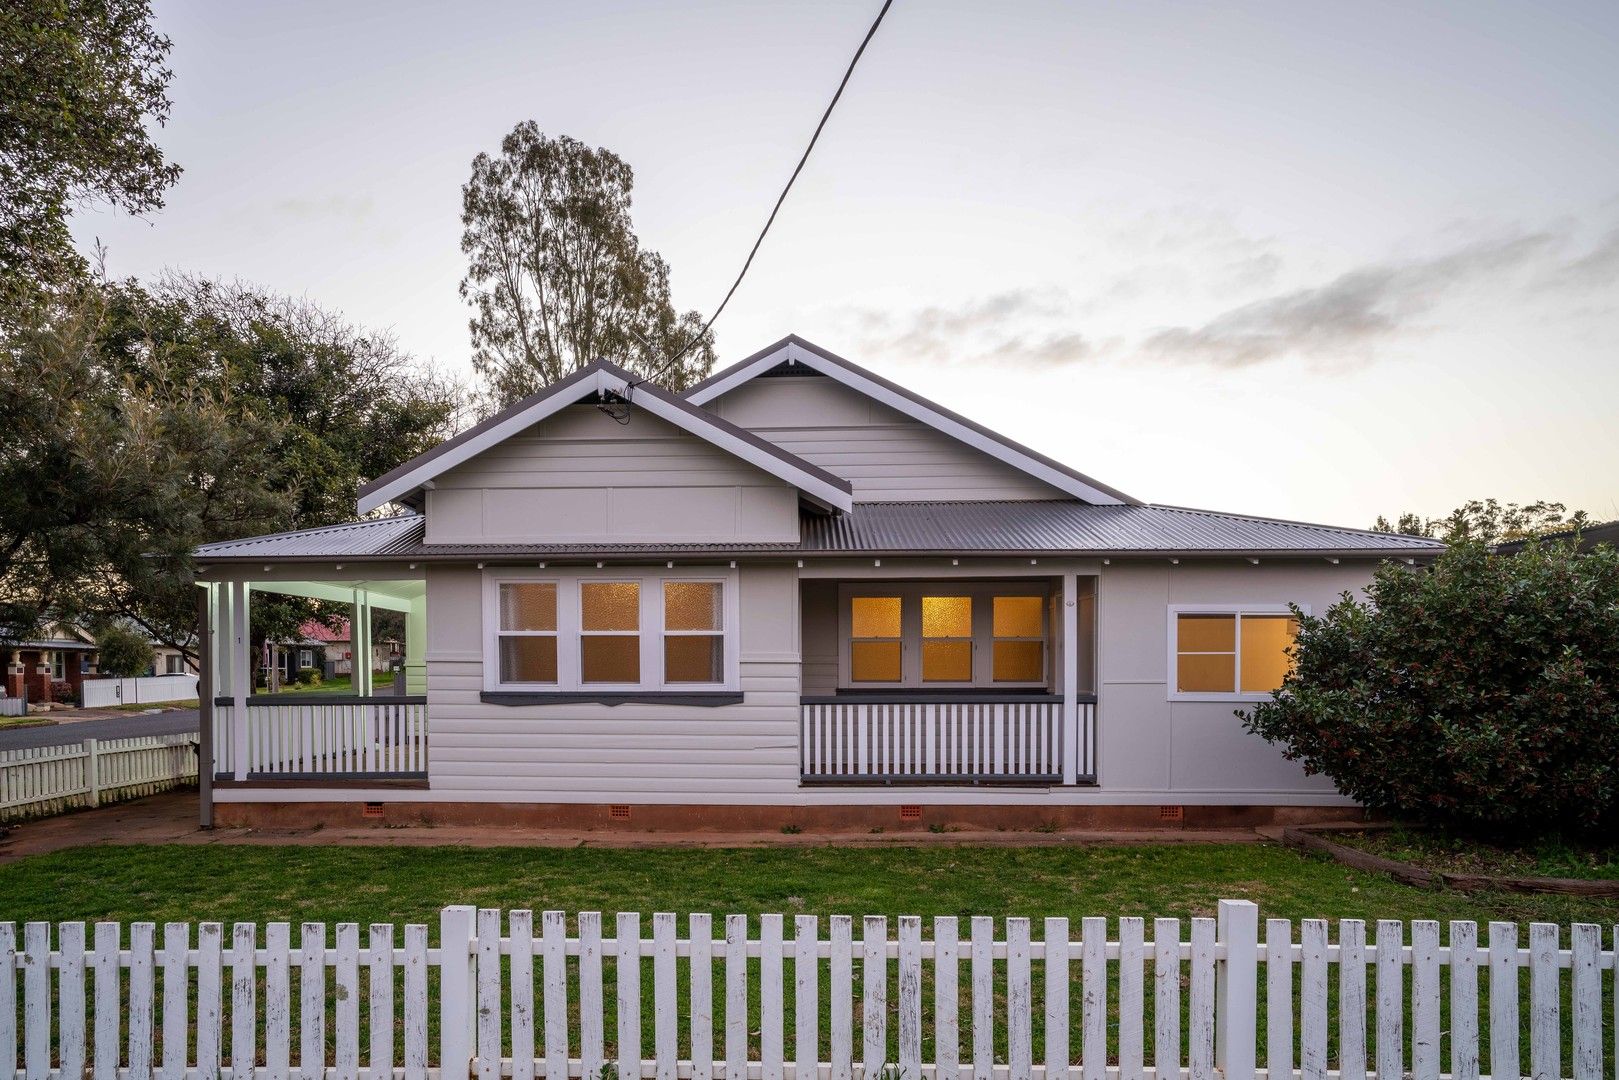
(25, 721)
(343, 684)
(410, 884)
(1438, 849)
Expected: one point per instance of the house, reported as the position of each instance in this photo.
(60, 654)
(795, 593)
(1585, 539)
(327, 649)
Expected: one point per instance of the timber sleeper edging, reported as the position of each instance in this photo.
(1314, 838)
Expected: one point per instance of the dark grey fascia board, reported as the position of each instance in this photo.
(703, 699)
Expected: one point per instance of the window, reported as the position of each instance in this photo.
(1230, 652)
(693, 632)
(576, 631)
(1019, 639)
(610, 632)
(960, 633)
(876, 653)
(528, 632)
(306, 658)
(174, 664)
(947, 639)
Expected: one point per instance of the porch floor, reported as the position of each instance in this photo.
(171, 818)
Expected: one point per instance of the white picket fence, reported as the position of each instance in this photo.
(148, 689)
(13, 706)
(49, 779)
(510, 1001)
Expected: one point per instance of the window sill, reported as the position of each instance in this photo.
(1216, 698)
(936, 697)
(705, 699)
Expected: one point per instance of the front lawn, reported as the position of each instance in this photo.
(410, 884)
(1451, 852)
(341, 684)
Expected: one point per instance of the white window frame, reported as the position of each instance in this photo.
(1237, 611)
(983, 593)
(651, 629)
(306, 658)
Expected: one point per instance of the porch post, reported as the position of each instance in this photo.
(360, 643)
(205, 705)
(241, 678)
(1070, 679)
(415, 673)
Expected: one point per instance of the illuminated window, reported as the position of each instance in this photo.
(693, 632)
(962, 633)
(1231, 652)
(528, 632)
(1018, 651)
(947, 639)
(875, 649)
(609, 632)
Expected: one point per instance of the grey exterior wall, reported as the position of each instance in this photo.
(1150, 749)
(581, 476)
(884, 454)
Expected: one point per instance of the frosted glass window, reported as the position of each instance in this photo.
(876, 616)
(693, 645)
(528, 659)
(947, 616)
(691, 605)
(947, 661)
(947, 645)
(528, 605)
(1018, 661)
(874, 661)
(610, 658)
(1207, 633)
(694, 658)
(609, 605)
(1019, 616)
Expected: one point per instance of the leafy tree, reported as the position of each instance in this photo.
(556, 276)
(121, 652)
(81, 84)
(1482, 691)
(1489, 522)
(147, 422)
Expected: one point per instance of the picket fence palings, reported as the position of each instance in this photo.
(111, 988)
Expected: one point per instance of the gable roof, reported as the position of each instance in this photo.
(603, 380)
(793, 349)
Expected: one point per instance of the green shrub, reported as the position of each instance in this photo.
(1483, 691)
(121, 652)
(308, 676)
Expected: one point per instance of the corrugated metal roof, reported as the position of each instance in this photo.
(984, 528)
(374, 536)
(1062, 526)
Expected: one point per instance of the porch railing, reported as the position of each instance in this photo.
(959, 740)
(330, 738)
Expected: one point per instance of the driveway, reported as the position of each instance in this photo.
(118, 726)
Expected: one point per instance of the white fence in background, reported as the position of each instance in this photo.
(149, 689)
(50, 779)
(337, 738)
(515, 999)
(13, 706)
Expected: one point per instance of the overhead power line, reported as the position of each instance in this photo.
(825, 116)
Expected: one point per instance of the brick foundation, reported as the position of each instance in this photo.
(861, 818)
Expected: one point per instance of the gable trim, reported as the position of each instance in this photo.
(793, 349)
(602, 378)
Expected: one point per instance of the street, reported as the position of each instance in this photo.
(113, 727)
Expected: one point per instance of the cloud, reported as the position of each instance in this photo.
(981, 328)
(1598, 266)
(1346, 318)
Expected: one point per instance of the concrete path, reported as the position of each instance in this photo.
(115, 725)
(171, 818)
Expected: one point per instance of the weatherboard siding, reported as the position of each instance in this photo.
(885, 455)
(580, 476)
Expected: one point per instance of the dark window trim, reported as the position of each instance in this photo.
(960, 696)
(261, 700)
(704, 699)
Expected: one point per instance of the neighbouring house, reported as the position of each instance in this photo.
(796, 593)
(334, 654)
(61, 654)
(1606, 532)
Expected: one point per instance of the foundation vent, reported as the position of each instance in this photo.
(618, 812)
(371, 810)
(1172, 813)
(910, 813)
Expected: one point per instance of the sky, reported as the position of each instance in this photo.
(1307, 260)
